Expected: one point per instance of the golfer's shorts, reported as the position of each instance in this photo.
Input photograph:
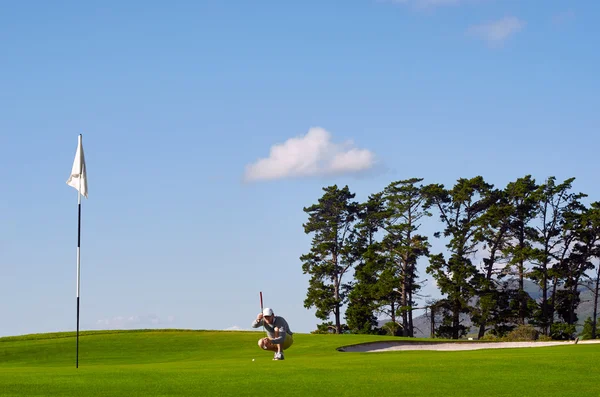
(289, 339)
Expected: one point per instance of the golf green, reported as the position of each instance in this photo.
(220, 363)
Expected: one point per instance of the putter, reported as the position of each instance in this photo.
(261, 309)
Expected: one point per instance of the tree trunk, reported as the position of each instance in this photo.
(407, 284)
(579, 270)
(522, 300)
(432, 328)
(404, 303)
(411, 330)
(553, 307)
(455, 319)
(481, 330)
(595, 313)
(545, 325)
(572, 302)
(555, 282)
(336, 295)
(546, 236)
(338, 325)
(488, 277)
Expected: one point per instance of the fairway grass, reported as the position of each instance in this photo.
(219, 363)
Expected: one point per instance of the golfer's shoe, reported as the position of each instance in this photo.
(278, 356)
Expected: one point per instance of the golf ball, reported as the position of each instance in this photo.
(252, 359)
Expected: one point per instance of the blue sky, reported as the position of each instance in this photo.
(176, 100)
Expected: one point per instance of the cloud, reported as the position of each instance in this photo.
(495, 32)
(313, 154)
(233, 328)
(134, 321)
(238, 328)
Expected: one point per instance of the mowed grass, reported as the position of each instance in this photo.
(219, 363)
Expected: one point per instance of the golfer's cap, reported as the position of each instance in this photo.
(267, 311)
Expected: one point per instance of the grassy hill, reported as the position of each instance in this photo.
(220, 363)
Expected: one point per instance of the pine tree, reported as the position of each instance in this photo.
(552, 203)
(460, 209)
(403, 212)
(362, 299)
(521, 194)
(493, 298)
(333, 251)
(585, 226)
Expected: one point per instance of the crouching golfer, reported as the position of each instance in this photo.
(279, 338)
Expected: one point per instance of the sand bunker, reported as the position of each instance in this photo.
(374, 347)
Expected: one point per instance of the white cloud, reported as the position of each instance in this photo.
(495, 32)
(238, 328)
(233, 328)
(313, 154)
(134, 321)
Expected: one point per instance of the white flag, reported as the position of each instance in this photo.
(78, 178)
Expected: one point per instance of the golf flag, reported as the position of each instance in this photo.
(78, 177)
(78, 180)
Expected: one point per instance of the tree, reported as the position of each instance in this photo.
(493, 303)
(332, 253)
(373, 290)
(552, 203)
(541, 232)
(590, 330)
(362, 302)
(585, 224)
(522, 196)
(460, 209)
(596, 290)
(560, 270)
(403, 211)
(592, 219)
(362, 297)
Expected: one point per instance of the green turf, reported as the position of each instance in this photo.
(213, 363)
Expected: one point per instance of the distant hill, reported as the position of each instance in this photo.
(422, 323)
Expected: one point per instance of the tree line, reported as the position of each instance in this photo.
(364, 256)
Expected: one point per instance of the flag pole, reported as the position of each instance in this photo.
(78, 180)
(78, 263)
